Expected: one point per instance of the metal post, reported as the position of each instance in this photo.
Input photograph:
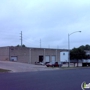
(40, 43)
(48, 46)
(69, 46)
(29, 56)
(9, 54)
(44, 55)
(21, 38)
(56, 54)
(68, 50)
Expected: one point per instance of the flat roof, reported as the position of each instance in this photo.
(36, 48)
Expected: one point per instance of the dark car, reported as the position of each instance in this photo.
(56, 64)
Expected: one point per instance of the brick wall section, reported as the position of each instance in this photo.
(50, 52)
(27, 55)
(35, 54)
(4, 53)
(21, 52)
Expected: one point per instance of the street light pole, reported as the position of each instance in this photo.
(68, 51)
(69, 46)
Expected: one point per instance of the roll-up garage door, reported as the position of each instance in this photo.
(47, 58)
(53, 59)
(13, 58)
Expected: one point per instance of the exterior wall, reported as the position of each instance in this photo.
(28, 55)
(58, 55)
(22, 54)
(35, 54)
(50, 52)
(4, 53)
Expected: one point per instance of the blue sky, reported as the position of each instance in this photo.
(48, 20)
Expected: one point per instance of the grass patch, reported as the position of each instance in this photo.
(4, 70)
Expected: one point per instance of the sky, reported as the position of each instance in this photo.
(48, 20)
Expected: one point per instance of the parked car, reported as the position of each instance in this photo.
(49, 65)
(56, 64)
(39, 63)
(46, 63)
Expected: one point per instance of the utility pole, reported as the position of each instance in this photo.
(48, 46)
(40, 43)
(69, 46)
(21, 38)
(57, 47)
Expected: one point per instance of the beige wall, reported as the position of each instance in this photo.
(4, 53)
(21, 52)
(28, 55)
(31, 55)
(48, 52)
(35, 54)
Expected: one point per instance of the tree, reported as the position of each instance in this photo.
(21, 46)
(77, 54)
(82, 47)
(18, 46)
(80, 53)
(86, 47)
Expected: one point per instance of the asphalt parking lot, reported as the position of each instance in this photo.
(23, 67)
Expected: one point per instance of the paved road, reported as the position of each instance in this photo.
(45, 80)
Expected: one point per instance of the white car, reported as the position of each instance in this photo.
(39, 63)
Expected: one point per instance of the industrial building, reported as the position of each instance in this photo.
(32, 55)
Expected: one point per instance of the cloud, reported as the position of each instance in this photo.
(48, 20)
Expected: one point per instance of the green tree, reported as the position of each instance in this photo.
(77, 54)
(18, 46)
(82, 47)
(21, 46)
(86, 47)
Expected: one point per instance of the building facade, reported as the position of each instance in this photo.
(32, 55)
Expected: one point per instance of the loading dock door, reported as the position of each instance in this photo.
(13, 58)
(40, 58)
(47, 59)
(53, 59)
